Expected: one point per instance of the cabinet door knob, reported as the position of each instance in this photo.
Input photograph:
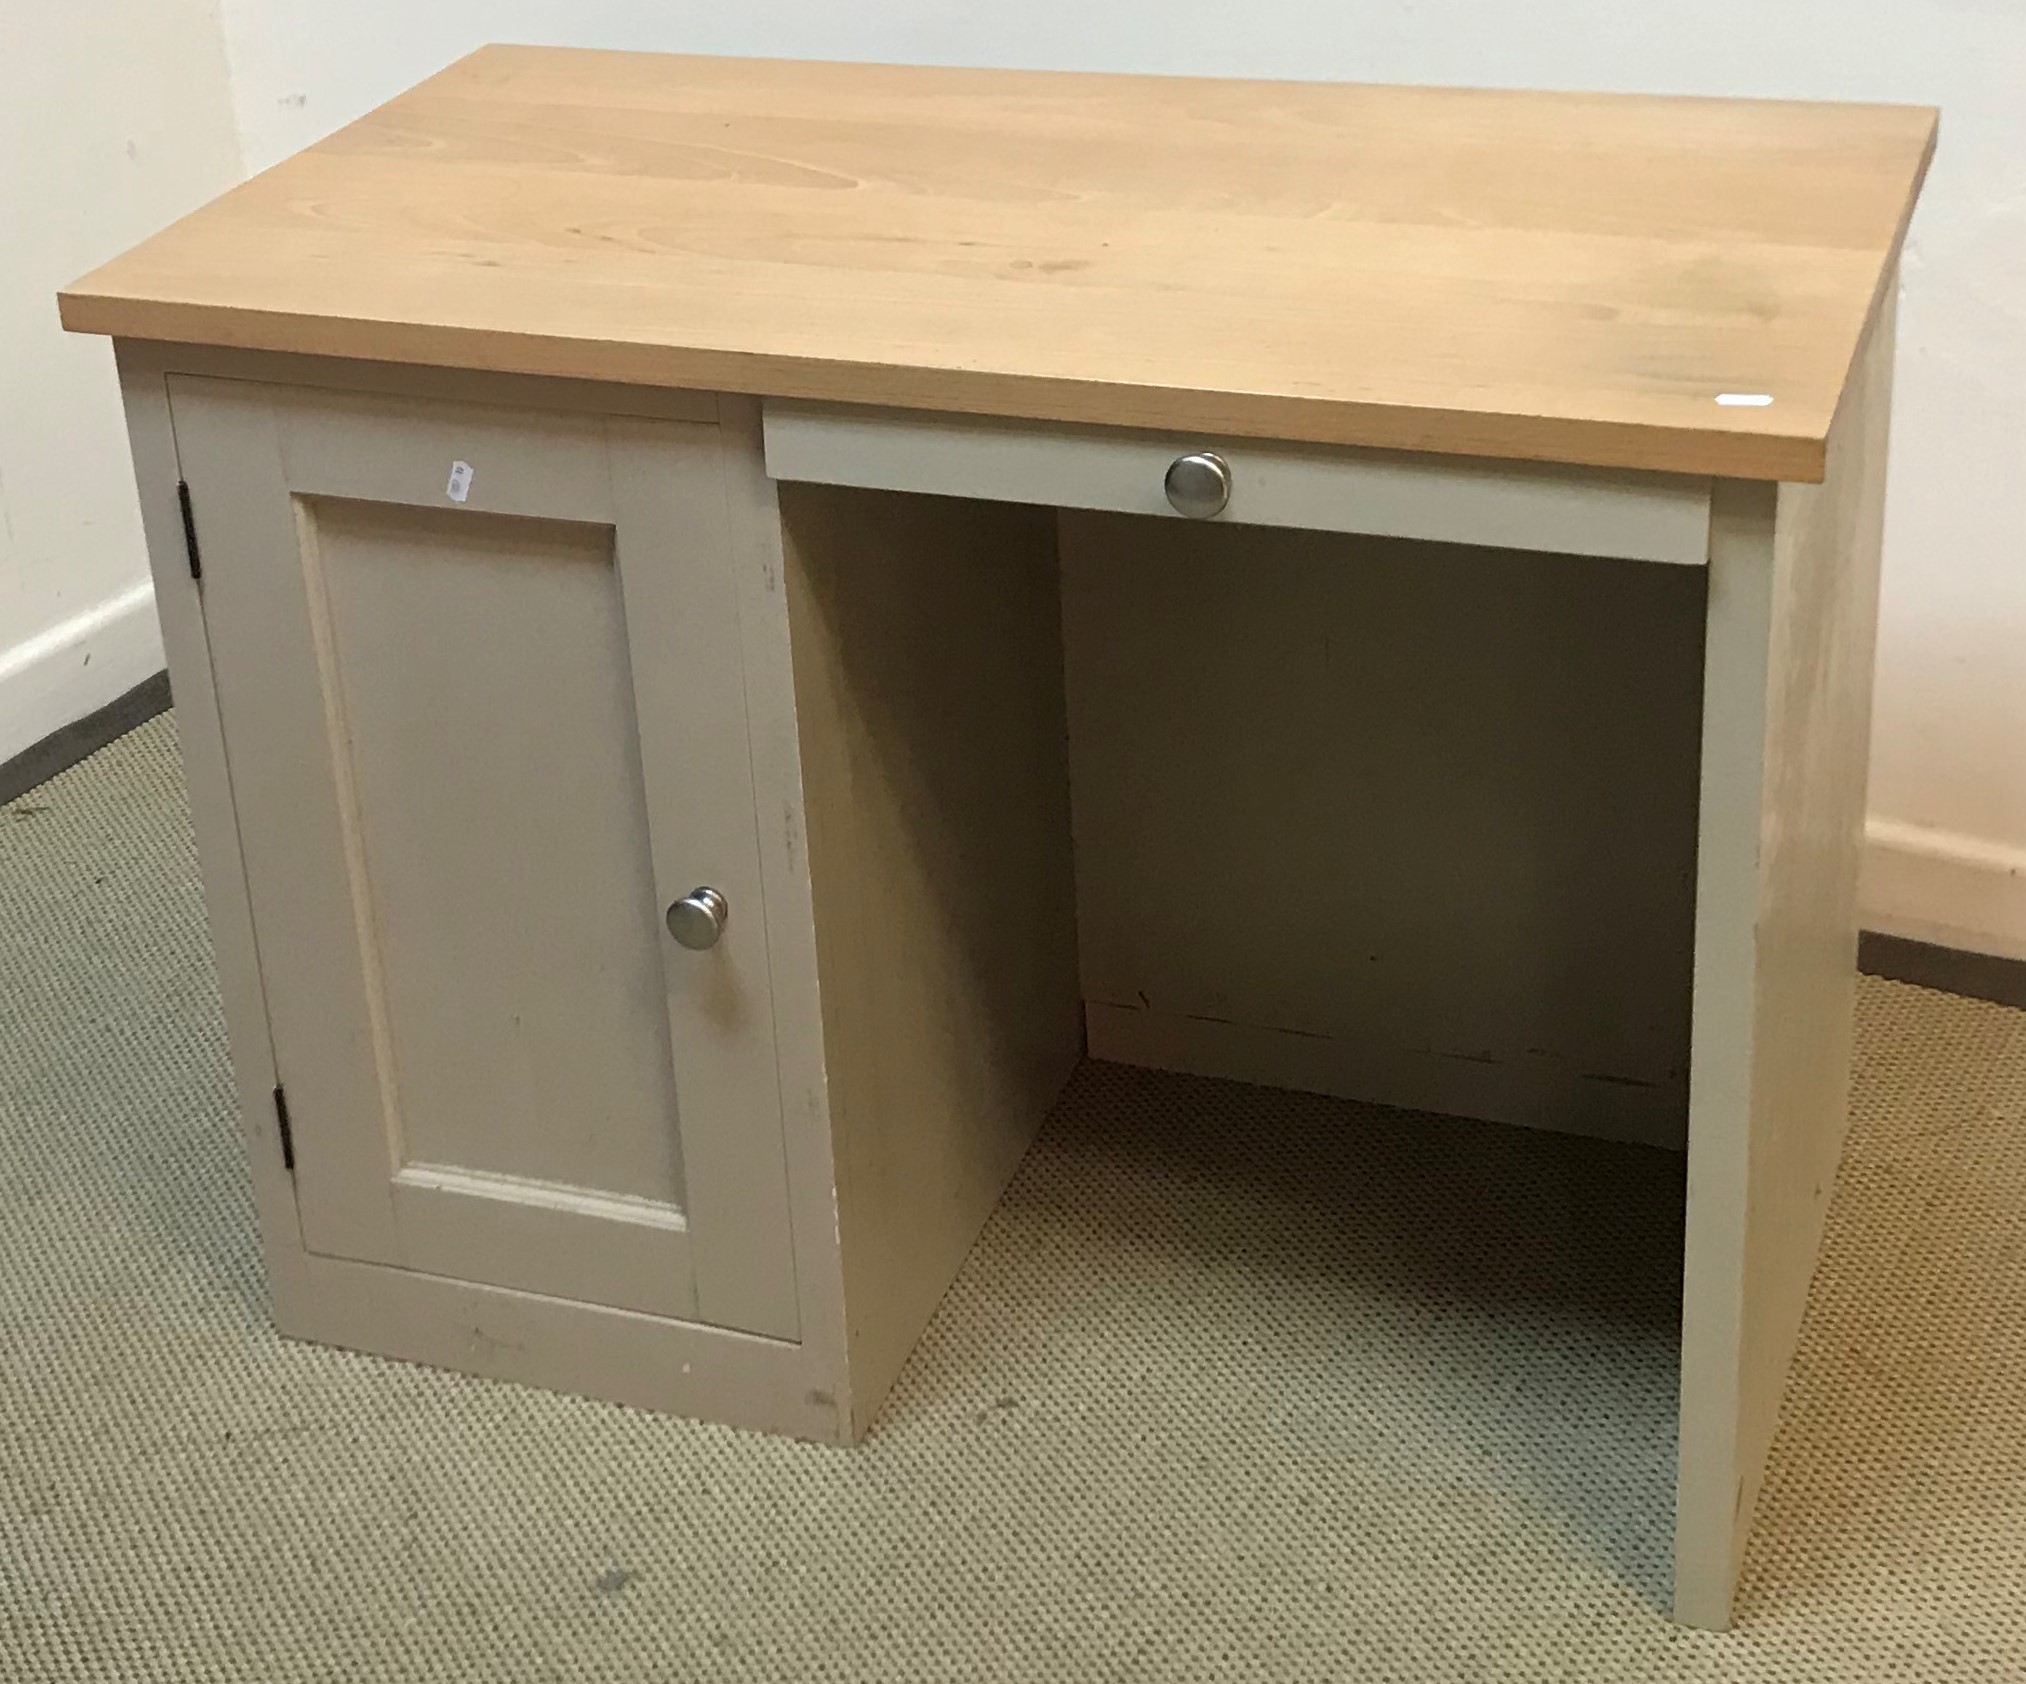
(698, 919)
(1199, 485)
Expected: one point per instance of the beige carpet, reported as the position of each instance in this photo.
(1237, 1386)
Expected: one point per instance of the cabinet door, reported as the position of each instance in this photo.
(479, 677)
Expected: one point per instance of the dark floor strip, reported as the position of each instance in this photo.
(1979, 976)
(61, 750)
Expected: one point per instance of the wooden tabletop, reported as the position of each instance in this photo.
(1562, 277)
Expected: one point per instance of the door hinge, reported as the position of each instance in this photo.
(189, 529)
(281, 1123)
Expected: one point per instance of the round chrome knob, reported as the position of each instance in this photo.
(698, 919)
(1199, 485)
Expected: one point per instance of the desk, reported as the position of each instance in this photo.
(730, 619)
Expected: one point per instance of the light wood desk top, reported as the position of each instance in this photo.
(1558, 277)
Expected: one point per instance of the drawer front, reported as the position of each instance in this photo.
(1458, 500)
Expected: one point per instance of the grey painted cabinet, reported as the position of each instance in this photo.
(481, 694)
(486, 672)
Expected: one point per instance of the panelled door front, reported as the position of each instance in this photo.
(478, 671)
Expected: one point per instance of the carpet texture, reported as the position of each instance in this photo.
(1237, 1385)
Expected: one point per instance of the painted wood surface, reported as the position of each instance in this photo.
(1566, 511)
(475, 747)
(759, 568)
(1409, 823)
(533, 1339)
(928, 680)
(1792, 622)
(200, 741)
(907, 780)
(1559, 277)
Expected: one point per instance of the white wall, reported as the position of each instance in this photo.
(1948, 859)
(115, 117)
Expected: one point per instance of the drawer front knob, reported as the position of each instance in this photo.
(1199, 485)
(698, 919)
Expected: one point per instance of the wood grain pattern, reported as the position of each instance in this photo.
(442, 385)
(1559, 277)
(1792, 623)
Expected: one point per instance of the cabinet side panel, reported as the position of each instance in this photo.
(1831, 535)
(927, 656)
(1775, 957)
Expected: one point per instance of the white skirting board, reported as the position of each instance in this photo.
(76, 666)
(1943, 887)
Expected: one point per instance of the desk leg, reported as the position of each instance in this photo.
(1787, 670)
